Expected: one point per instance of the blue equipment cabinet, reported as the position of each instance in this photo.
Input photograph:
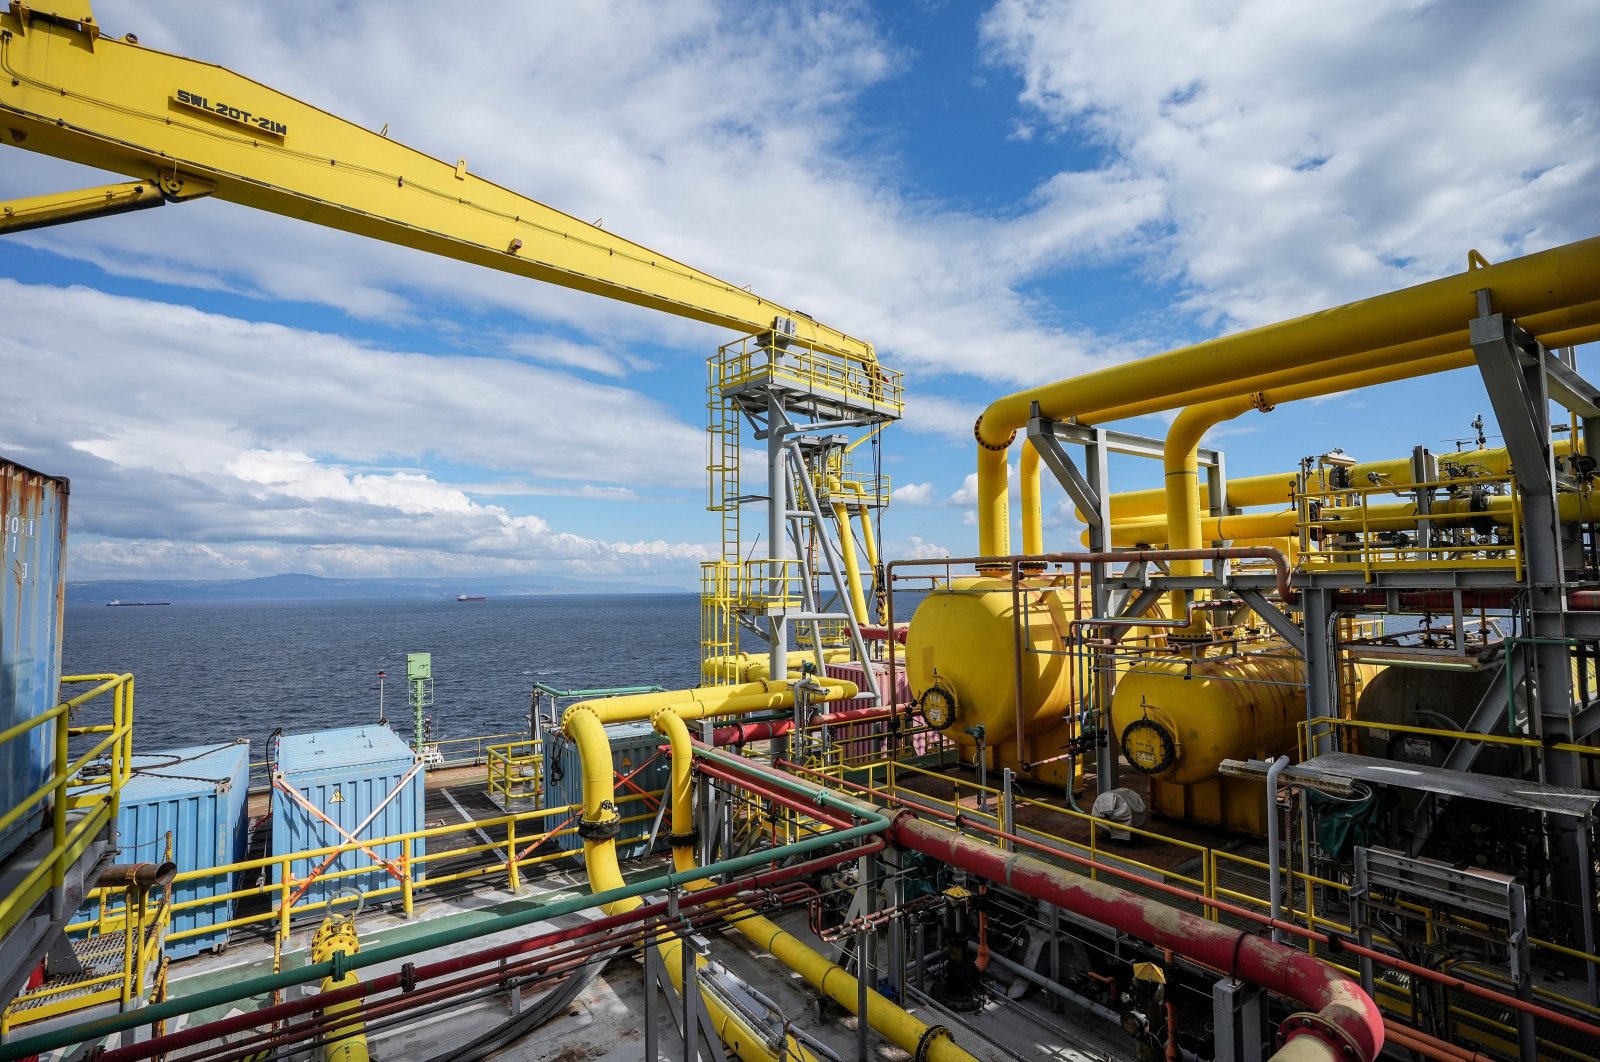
(364, 782)
(198, 797)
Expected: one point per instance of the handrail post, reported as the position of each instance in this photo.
(405, 881)
(513, 875)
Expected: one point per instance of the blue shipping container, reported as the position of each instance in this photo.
(33, 541)
(198, 797)
(364, 779)
(636, 754)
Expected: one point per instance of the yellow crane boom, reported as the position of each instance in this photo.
(191, 129)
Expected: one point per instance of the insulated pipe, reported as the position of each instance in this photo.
(1435, 354)
(1032, 509)
(1551, 283)
(1345, 1024)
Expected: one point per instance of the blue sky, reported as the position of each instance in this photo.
(995, 194)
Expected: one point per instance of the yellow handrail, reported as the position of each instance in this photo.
(69, 839)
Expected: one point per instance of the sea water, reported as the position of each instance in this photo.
(211, 671)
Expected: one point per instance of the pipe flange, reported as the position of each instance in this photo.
(977, 433)
(683, 840)
(1340, 1043)
(572, 713)
(601, 829)
(1260, 401)
(925, 1041)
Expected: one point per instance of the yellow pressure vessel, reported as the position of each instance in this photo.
(1179, 718)
(962, 663)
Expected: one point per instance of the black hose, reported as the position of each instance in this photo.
(530, 1018)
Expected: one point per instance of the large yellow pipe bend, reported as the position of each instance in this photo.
(1182, 465)
(1556, 286)
(583, 727)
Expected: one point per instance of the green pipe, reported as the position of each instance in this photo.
(268, 983)
(1511, 644)
(823, 797)
(612, 691)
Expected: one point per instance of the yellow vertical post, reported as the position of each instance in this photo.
(405, 881)
(284, 901)
(513, 874)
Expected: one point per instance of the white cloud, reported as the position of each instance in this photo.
(205, 441)
(1304, 161)
(912, 494)
(916, 548)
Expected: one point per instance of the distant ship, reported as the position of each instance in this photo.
(471, 597)
(134, 604)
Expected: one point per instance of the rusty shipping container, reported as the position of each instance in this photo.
(33, 521)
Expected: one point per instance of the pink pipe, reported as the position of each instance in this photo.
(739, 733)
(1341, 1019)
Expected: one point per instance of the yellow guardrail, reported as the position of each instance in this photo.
(795, 362)
(76, 819)
(515, 771)
(142, 926)
(1325, 539)
(526, 832)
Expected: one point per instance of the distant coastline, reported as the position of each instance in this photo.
(123, 592)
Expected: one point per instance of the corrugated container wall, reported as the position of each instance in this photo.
(864, 741)
(33, 521)
(364, 779)
(635, 747)
(198, 797)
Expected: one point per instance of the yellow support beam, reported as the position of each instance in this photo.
(70, 92)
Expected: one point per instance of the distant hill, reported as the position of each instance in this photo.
(317, 588)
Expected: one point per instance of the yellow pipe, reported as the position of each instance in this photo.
(1277, 488)
(826, 976)
(1181, 461)
(584, 727)
(1398, 516)
(1435, 354)
(346, 1042)
(994, 504)
(749, 668)
(847, 557)
(1182, 466)
(1556, 284)
(1032, 508)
